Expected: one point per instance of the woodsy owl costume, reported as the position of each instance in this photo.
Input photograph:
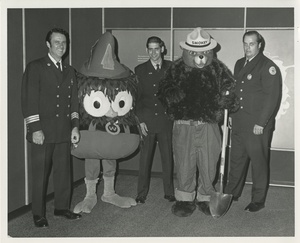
(195, 91)
(108, 126)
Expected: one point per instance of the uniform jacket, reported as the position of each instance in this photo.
(259, 90)
(50, 100)
(148, 108)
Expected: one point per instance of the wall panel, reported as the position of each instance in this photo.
(137, 18)
(16, 166)
(208, 17)
(270, 17)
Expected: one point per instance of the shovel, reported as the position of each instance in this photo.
(220, 202)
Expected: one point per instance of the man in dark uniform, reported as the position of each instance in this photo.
(154, 122)
(50, 109)
(259, 90)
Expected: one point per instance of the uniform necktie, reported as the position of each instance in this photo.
(157, 67)
(58, 66)
(246, 63)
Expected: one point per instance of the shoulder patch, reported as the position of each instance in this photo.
(272, 70)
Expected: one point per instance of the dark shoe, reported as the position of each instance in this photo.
(203, 207)
(254, 207)
(170, 198)
(66, 214)
(40, 222)
(140, 200)
(183, 208)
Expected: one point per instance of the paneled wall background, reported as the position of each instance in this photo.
(27, 29)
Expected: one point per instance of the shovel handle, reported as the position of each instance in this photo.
(224, 142)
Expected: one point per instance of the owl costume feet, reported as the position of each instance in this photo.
(90, 199)
(109, 196)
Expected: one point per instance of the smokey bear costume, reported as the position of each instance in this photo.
(108, 126)
(195, 91)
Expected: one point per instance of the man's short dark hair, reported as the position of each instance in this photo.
(155, 39)
(57, 30)
(260, 39)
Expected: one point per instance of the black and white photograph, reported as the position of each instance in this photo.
(149, 121)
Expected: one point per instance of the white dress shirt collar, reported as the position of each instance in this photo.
(53, 60)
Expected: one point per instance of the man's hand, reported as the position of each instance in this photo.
(38, 137)
(258, 130)
(144, 128)
(75, 135)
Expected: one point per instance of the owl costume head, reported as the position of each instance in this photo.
(107, 94)
(107, 88)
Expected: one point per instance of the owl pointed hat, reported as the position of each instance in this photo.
(103, 62)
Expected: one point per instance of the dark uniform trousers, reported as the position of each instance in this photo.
(146, 157)
(45, 157)
(248, 146)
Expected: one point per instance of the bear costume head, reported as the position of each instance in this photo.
(198, 49)
(198, 86)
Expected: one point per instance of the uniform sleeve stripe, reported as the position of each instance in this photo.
(32, 119)
(74, 115)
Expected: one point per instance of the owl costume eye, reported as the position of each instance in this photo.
(122, 103)
(96, 104)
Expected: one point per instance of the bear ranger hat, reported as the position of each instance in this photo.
(103, 62)
(198, 40)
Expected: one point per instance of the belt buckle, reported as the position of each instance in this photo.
(196, 123)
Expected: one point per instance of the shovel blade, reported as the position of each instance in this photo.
(219, 204)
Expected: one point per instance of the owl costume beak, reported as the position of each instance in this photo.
(111, 113)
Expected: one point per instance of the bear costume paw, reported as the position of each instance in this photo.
(183, 208)
(203, 207)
